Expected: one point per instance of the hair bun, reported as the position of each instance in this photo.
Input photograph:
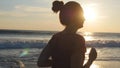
(57, 5)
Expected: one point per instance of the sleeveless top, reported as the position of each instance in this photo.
(63, 46)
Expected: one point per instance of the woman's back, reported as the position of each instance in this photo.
(64, 47)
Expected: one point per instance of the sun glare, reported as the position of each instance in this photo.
(90, 13)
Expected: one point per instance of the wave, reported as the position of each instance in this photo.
(103, 43)
(17, 43)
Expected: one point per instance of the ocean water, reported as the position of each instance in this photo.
(26, 46)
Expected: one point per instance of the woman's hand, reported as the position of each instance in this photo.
(93, 54)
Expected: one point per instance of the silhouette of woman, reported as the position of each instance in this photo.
(67, 48)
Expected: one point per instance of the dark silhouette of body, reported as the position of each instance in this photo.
(67, 48)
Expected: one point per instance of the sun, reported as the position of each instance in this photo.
(90, 13)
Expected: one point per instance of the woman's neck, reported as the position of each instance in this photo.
(70, 29)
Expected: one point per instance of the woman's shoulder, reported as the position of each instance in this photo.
(74, 37)
(56, 34)
(79, 38)
(68, 34)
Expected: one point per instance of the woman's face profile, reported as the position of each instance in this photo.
(79, 19)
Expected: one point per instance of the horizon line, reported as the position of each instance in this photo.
(49, 30)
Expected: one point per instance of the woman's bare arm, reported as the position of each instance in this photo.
(78, 56)
(43, 60)
(77, 59)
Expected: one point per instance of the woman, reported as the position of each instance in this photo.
(66, 49)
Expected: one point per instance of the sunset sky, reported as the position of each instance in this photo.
(101, 15)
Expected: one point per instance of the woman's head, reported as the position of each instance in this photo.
(71, 13)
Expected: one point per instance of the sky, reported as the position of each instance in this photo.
(101, 15)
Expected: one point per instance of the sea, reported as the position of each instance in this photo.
(24, 47)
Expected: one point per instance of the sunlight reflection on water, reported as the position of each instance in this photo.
(88, 36)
